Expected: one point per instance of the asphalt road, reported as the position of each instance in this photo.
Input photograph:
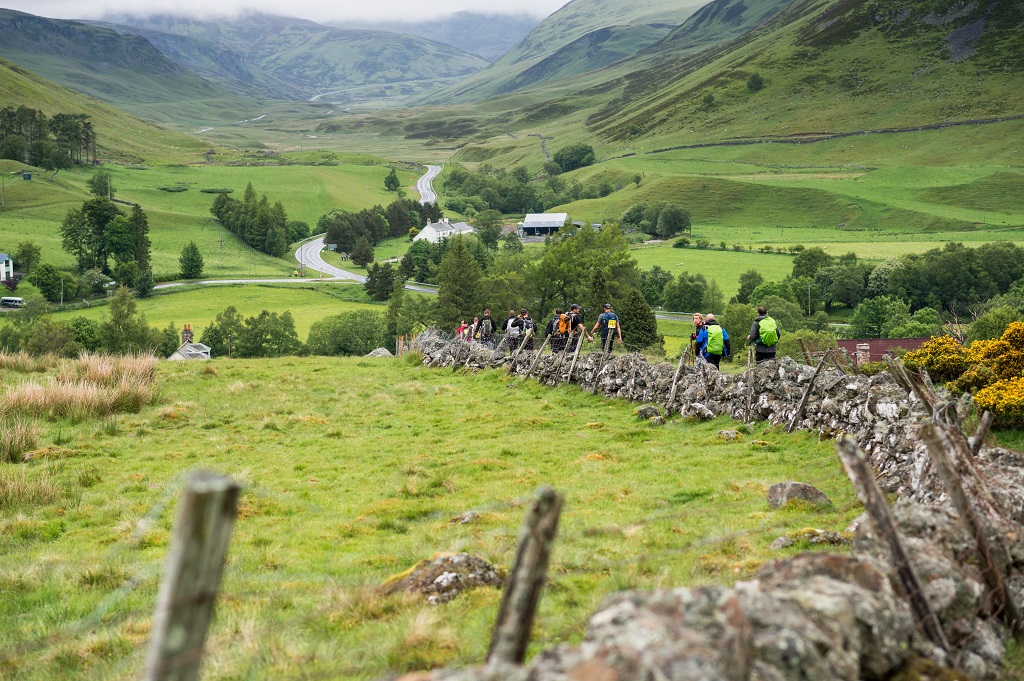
(424, 186)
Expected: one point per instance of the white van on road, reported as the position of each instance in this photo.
(12, 302)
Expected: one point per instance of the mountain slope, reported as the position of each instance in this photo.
(486, 35)
(120, 137)
(582, 36)
(126, 71)
(834, 65)
(337, 64)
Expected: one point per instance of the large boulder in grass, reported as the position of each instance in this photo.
(445, 576)
(379, 352)
(782, 493)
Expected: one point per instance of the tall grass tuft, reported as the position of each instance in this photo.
(17, 436)
(109, 369)
(18, 490)
(24, 363)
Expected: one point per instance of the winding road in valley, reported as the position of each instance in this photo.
(424, 186)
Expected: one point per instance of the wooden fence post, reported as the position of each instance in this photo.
(807, 395)
(803, 349)
(751, 355)
(526, 579)
(522, 344)
(863, 479)
(547, 339)
(978, 439)
(675, 380)
(604, 358)
(195, 563)
(994, 560)
(575, 356)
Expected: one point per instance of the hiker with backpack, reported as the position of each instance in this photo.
(513, 330)
(576, 329)
(713, 341)
(558, 330)
(528, 328)
(609, 323)
(485, 331)
(766, 332)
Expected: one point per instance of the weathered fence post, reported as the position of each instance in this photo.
(522, 344)
(978, 439)
(751, 355)
(807, 395)
(195, 563)
(547, 339)
(675, 380)
(952, 468)
(863, 479)
(575, 356)
(604, 358)
(526, 579)
(803, 349)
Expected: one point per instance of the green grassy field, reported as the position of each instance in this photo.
(308, 302)
(353, 470)
(35, 209)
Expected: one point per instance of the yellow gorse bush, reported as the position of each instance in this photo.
(1005, 399)
(942, 357)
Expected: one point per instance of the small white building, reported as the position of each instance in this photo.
(6, 267)
(540, 224)
(436, 231)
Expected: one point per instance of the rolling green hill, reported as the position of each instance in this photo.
(338, 65)
(121, 137)
(126, 71)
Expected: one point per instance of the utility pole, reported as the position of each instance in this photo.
(809, 299)
(222, 252)
(62, 290)
(229, 346)
(3, 193)
(108, 186)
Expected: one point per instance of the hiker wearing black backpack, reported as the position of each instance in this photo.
(558, 330)
(766, 332)
(485, 330)
(577, 332)
(609, 323)
(528, 328)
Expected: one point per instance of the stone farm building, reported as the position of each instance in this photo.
(436, 231)
(542, 224)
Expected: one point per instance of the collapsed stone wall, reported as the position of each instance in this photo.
(810, 616)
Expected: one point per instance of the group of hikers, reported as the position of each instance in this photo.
(709, 340)
(564, 330)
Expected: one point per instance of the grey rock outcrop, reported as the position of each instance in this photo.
(782, 493)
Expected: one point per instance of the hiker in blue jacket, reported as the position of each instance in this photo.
(713, 340)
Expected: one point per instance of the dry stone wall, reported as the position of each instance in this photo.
(812, 616)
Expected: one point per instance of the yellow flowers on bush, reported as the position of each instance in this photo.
(982, 350)
(1005, 399)
(942, 357)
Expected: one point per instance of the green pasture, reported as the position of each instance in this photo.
(35, 209)
(307, 301)
(723, 267)
(353, 471)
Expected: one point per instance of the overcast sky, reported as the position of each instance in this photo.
(314, 10)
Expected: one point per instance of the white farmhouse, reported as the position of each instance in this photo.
(6, 267)
(539, 224)
(436, 231)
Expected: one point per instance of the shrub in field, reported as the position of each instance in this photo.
(24, 363)
(942, 357)
(1005, 399)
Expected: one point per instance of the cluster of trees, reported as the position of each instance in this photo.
(123, 330)
(497, 189)
(660, 219)
(356, 233)
(267, 334)
(55, 143)
(259, 224)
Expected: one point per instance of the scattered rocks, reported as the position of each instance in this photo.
(782, 493)
(811, 537)
(648, 411)
(379, 352)
(728, 435)
(657, 420)
(464, 518)
(444, 577)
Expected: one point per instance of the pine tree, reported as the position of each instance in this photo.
(191, 261)
(362, 252)
(639, 325)
(140, 230)
(391, 182)
(458, 281)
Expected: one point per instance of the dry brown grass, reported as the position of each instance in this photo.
(108, 369)
(24, 363)
(17, 436)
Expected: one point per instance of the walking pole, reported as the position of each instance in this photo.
(539, 353)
